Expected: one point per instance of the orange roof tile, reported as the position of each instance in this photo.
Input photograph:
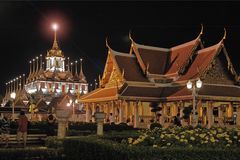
(100, 94)
(180, 55)
(202, 60)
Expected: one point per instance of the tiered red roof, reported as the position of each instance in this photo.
(147, 68)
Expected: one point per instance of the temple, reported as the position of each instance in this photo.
(44, 84)
(132, 81)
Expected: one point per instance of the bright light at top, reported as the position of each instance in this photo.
(55, 26)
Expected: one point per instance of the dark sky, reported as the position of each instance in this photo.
(25, 29)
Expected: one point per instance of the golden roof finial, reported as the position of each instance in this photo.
(107, 42)
(130, 35)
(123, 73)
(225, 34)
(201, 31)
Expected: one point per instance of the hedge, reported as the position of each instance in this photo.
(41, 153)
(93, 148)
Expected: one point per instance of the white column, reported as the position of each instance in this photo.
(136, 119)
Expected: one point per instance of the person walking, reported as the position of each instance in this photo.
(22, 128)
(5, 129)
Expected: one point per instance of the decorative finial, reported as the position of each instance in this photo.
(225, 34)
(68, 64)
(107, 42)
(76, 74)
(40, 62)
(55, 44)
(71, 67)
(130, 35)
(201, 31)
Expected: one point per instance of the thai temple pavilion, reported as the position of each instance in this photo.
(132, 81)
(45, 83)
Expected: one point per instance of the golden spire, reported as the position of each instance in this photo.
(10, 86)
(33, 66)
(68, 64)
(30, 64)
(55, 43)
(81, 74)
(71, 70)
(76, 74)
(37, 64)
(17, 84)
(23, 80)
(14, 85)
(40, 62)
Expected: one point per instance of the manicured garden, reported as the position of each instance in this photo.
(122, 142)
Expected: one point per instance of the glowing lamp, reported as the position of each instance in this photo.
(68, 104)
(189, 85)
(55, 26)
(199, 83)
(13, 95)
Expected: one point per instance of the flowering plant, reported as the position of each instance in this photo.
(188, 137)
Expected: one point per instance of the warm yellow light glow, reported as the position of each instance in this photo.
(13, 95)
(189, 85)
(55, 26)
(199, 83)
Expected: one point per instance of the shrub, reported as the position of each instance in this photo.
(155, 125)
(189, 137)
(41, 153)
(89, 148)
(53, 142)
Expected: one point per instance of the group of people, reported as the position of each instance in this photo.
(5, 124)
(22, 123)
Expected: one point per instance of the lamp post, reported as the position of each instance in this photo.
(13, 96)
(194, 86)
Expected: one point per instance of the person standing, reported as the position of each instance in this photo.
(177, 120)
(5, 129)
(50, 126)
(111, 118)
(22, 128)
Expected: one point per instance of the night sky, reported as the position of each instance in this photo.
(25, 30)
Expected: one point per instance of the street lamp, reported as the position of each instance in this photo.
(194, 86)
(13, 96)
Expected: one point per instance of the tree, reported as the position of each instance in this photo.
(155, 108)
